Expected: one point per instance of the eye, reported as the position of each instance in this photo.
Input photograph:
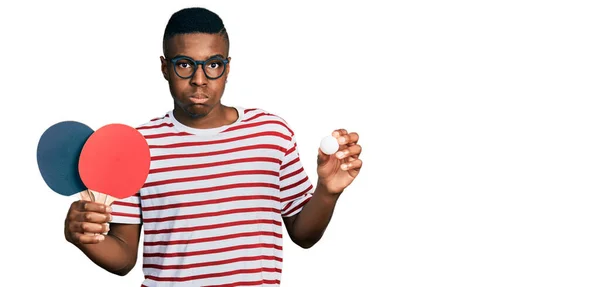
(184, 64)
(214, 65)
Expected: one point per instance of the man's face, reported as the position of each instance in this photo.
(198, 95)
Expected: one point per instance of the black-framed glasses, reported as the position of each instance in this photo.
(185, 67)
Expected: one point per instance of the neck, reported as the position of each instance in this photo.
(215, 118)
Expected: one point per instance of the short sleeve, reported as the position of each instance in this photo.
(127, 210)
(294, 185)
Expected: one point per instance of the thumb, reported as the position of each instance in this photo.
(322, 157)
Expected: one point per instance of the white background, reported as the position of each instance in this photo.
(479, 121)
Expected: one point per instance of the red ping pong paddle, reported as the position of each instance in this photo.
(114, 162)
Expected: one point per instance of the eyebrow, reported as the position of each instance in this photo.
(212, 56)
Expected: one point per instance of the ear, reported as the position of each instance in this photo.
(163, 67)
(228, 68)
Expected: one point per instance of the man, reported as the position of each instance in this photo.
(222, 180)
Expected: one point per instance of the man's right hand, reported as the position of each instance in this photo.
(86, 221)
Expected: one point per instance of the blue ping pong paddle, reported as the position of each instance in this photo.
(58, 154)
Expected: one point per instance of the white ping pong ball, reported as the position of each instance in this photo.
(329, 145)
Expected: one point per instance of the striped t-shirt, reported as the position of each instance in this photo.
(212, 205)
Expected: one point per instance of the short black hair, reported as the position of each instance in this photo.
(194, 20)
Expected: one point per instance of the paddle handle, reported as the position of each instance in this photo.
(96, 197)
(104, 198)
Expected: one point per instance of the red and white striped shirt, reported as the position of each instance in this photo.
(212, 205)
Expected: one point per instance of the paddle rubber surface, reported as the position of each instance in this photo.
(115, 161)
(58, 154)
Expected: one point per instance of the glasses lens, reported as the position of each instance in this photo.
(184, 68)
(214, 68)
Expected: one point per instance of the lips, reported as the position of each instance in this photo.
(199, 99)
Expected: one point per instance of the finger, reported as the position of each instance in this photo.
(348, 139)
(88, 238)
(88, 227)
(95, 207)
(93, 217)
(354, 165)
(351, 151)
(339, 132)
(75, 206)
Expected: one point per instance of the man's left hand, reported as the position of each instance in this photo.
(337, 171)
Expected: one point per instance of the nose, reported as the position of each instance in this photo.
(199, 78)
